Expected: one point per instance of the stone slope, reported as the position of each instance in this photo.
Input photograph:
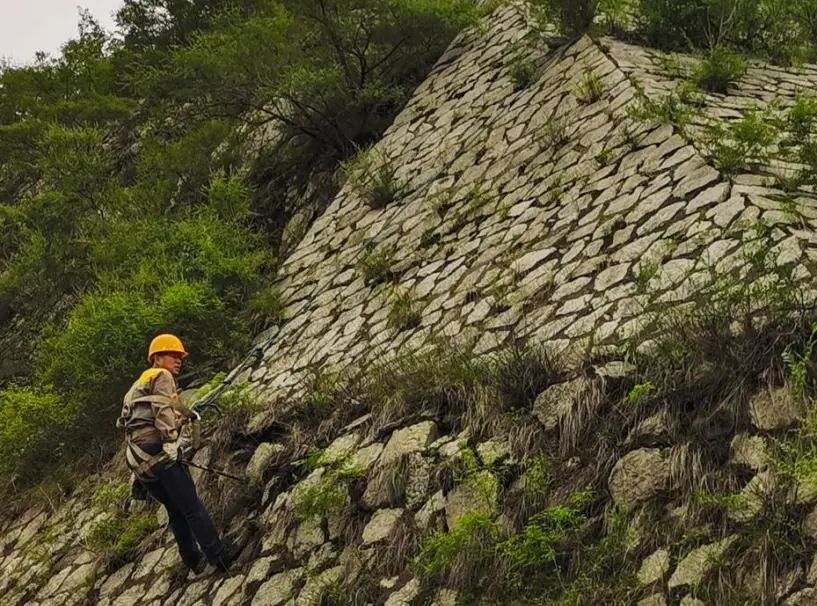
(504, 231)
(509, 228)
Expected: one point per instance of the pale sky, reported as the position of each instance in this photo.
(27, 26)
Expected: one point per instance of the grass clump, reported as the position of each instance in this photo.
(373, 176)
(465, 390)
(375, 266)
(480, 558)
(523, 73)
(591, 87)
(117, 535)
(554, 134)
(722, 67)
(532, 557)
(464, 554)
(403, 314)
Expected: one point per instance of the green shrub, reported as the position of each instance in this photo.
(722, 67)
(670, 109)
(533, 556)
(802, 117)
(734, 145)
(571, 17)
(466, 549)
(264, 309)
(33, 428)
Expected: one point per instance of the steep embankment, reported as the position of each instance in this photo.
(526, 209)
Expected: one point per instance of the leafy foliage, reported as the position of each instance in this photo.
(782, 31)
(721, 68)
(32, 426)
(131, 202)
(734, 145)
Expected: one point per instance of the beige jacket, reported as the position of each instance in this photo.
(157, 422)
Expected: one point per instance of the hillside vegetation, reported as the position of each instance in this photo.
(147, 178)
(133, 199)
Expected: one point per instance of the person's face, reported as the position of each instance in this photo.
(170, 360)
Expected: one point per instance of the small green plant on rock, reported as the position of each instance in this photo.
(374, 177)
(522, 72)
(591, 87)
(554, 134)
(320, 500)
(640, 391)
(376, 266)
(329, 495)
(647, 270)
(403, 314)
(719, 69)
(671, 66)
(534, 553)
(265, 309)
(604, 157)
(116, 536)
(477, 199)
(734, 145)
(462, 552)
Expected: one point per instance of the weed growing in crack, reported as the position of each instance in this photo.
(553, 134)
(735, 145)
(721, 68)
(523, 73)
(375, 266)
(403, 314)
(374, 177)
(591, 87)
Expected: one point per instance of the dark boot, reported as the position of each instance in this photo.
(226, 556)
(196, 564)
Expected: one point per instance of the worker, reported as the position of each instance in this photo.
(153, 417)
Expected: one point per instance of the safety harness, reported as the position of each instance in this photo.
(136, 418)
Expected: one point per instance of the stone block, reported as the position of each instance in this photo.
(639, 476)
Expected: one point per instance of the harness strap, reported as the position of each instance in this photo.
(141, 463)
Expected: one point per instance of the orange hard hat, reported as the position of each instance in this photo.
(166, 343)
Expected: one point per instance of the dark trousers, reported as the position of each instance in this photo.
(189, 519)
